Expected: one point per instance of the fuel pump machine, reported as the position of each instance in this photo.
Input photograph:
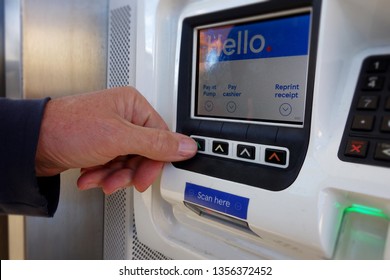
(289, 103)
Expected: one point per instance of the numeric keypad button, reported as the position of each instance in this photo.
(374, 83)
(368, 102)
(377, 66)
(387, 104)
(385, 125)
(356, 148)
(363, 123)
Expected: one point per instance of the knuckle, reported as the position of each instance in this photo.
(160, 141)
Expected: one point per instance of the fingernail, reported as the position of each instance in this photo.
(108, 192)
(187, 147)
(90, 186)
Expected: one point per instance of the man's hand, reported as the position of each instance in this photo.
(114, 136)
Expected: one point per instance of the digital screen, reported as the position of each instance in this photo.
(252, 70)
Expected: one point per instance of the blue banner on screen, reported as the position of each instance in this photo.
(254, 70)
(265, 39)
(230, 204)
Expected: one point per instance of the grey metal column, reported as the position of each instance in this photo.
(64, 50)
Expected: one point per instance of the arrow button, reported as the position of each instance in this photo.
(220, 147)
(201, 143)
(275, 156)
(246, 151)
(382, 151)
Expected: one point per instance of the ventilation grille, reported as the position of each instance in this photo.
(115, 226)
(120, 233)
(119, 47)
(143, 252)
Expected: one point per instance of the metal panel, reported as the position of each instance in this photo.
(64, 52)
(12, 48)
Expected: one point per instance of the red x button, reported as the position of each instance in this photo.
(356, 148)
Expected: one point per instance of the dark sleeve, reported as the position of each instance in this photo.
(21, 192)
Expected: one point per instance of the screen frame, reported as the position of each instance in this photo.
(235, 22)
(295, 139)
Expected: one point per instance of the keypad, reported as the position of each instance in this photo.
(366, 137)
(242, 151)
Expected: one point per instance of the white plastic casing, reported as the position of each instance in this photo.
(301, 222)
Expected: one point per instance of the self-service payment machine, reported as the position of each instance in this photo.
(289, 103)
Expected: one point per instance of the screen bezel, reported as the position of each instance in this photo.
(245, 20)
(295, 139)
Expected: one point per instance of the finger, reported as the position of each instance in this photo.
(141, 178)
(157, 144)
(148, 134)
(93, 178)
(109, 176)
(118, 179)
(108, 179)
(86, 169)
(146, 173)
(140, 173)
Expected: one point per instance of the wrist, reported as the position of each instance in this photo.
(44, 165)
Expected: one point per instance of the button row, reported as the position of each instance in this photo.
(366, 123)
(242, 151)
(371, 102)
(359, 148)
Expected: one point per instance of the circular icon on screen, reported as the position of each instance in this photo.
(208, 106)
(231, 107)
(285, 109)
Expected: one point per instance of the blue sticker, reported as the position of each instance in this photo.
(223, 202)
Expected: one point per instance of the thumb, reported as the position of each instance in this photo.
(160, 144)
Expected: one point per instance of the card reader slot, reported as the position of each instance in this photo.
(219, 217)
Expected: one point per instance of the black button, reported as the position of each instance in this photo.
(201, 144)
(373, 82)
(387, 105)
(221, 148)
(377, 65)
(356, 148)
(385, 126)
(246, 151)
(362, 122)
(368, 102)
(382, 151)
(275, 156)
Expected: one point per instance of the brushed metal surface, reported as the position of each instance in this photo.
(12, 50)
(64, 52)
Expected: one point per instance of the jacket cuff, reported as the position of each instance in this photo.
(21, 192)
